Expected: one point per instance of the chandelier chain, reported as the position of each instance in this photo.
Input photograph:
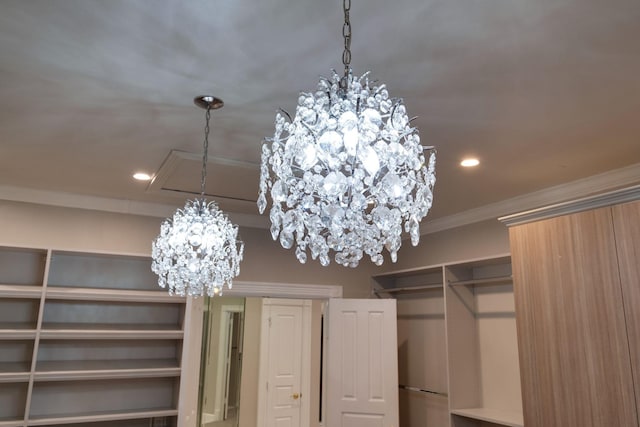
(346, 34)
(203, 179)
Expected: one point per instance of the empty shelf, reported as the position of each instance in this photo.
(488, 281)
(491, 415)
(85, 332)
(102, 416)
(114, 295)
(408, 289)
(105, 369)
(20, 291)
(421, 390)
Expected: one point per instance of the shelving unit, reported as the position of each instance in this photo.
(87, 340)
(461, 316)
(421, 343)
(484, 374)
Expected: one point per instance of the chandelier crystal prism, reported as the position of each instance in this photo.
(347, 174)
(197, 251)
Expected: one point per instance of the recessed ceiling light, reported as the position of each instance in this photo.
(469, 163)
(141, 176)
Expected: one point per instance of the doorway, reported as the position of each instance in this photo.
(194, 344)
(221, 362)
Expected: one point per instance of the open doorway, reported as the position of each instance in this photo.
(221, 362)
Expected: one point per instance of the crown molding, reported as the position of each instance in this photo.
(596, 184)
(586, 203)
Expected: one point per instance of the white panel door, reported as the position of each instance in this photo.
(286, 325)
(362, 363)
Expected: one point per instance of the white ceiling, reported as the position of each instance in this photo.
(544, 92)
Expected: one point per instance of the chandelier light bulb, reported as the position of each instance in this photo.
(197, 251)
(347, 174)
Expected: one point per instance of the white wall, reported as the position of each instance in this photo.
(480, 240)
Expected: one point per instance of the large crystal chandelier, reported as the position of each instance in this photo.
(347, 174)
(197, 250)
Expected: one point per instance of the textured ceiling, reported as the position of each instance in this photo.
(544, 92)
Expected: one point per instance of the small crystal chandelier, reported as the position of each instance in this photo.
(198, 250)
(348, 173)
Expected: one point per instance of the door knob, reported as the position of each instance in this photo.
(295, 396)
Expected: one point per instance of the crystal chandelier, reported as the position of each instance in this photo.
(347, 174)
(198, 250)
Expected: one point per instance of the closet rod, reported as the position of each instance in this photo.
(408, 289)
(491, 280)
(421, 390)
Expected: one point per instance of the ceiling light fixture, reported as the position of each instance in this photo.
(141, 176)
(469, 162)
(348, 173)
(197, 250)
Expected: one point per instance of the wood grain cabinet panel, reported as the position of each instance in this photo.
(574, 352)
(626, 220)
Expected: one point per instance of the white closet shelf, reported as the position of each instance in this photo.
(491, 415)
(15, 331)
(99, 365)
(110, 374)
(20, 291)
(109, 334)
(488, 281)
(14, 377)
(14, 372)
(102, 416)
(11, 423)
(112, 295)
(408, 289)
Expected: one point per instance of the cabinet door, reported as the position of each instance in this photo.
(574, 353)
(626, 220)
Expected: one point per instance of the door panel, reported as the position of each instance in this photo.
(362, 363)
(285, 347)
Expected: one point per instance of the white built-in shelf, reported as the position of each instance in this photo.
(408, 289)
(14, 377)
(86, 332)
(106, 374)
(112, 295)
(81, 332)
(14, 372)
(422, 390)
(68, 370)
(102, 416)
(20, 291)
(17, 331)
(487, 281)
(491, 415)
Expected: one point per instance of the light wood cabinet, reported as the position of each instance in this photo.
(577, 294)
(458, 353)
(87, 340)
(626, 222)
